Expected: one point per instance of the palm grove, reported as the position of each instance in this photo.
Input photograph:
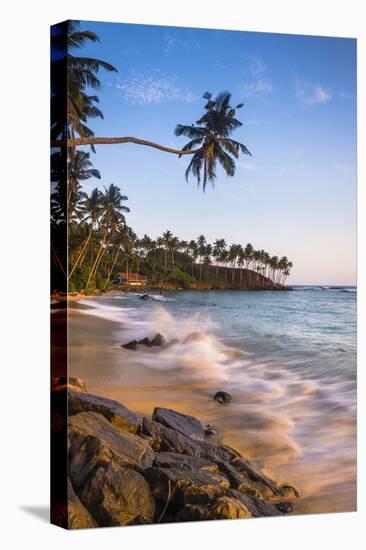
(91, 240)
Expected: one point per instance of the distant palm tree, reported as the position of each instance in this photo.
(112, 217)
(211, 134)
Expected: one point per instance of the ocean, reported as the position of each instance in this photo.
(287, 358)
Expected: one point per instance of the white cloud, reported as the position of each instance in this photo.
(170, 43)
(343, 167)
(259, 84)
(312, 94)
(153, 86)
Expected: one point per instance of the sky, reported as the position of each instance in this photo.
(295, 196)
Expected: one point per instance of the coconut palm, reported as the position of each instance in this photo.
(112, 217)
(81, 74)
(211, 135)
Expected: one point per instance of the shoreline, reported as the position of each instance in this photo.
(96, 356)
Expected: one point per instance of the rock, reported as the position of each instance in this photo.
(238, 480)
(184, 486)
(210, 430)
(145, 342)
(158, 340)
(253, 473)
(183, 423)
(289, 491)
(228, 508)
(193, 512)
(113, 411)
(256, 507)
(130, 345)
(77, 516)
(222, 397)
(194, 337)
(145, 297)
(194, 463)
(285, 507)
(118, 496)
(172, 342)
(94, 441)
(166, 439)
(71, 383)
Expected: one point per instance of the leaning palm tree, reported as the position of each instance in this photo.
(92, 207)
(211, 135)
(112, 217)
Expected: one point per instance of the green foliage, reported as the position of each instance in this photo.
(181, 278)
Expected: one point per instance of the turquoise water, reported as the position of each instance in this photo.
(289, 360)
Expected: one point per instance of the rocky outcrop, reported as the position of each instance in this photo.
(165, 470)
(113, 411)
(182, 423)
(222, 397)
(118, 496)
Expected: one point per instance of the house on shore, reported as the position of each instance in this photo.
(129, 279)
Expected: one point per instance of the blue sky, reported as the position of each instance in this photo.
(296, 195)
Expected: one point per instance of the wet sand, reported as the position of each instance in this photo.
(96, 356)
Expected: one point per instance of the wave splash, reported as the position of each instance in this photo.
(290, 422)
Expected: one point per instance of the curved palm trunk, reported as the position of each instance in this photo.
(108, 141)
(81, 253)
(97, 260)
(111, 270)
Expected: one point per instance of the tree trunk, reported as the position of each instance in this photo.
(111, 270)
(81, 253)
(108, 141)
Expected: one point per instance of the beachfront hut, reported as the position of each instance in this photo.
(130, 279)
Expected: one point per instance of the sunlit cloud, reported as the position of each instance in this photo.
(153, 86)
(312, 94)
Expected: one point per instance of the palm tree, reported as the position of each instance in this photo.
(211, 133)
(218, 248)
(112, 217)
(81, 74)
(92, 208)
(201, 248)
(193, 249)
(167, 237)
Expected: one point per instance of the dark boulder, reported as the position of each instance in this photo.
(94, 441)
(222, 397)
(172, 342)
(113, 411)
(158, 340)
(266, 486)
(238, 480)
(256, 507)
(181, 486)
(166, 439)
(145, 297)
(118, 496)
(130, 345)
(210, 430)
(284, 507)
(145, 342)
(227, 507)
(194, 463)
(77, 516)
(183, 423)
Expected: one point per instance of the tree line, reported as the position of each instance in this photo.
(90, 239)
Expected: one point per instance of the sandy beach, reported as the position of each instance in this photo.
(96, 356)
